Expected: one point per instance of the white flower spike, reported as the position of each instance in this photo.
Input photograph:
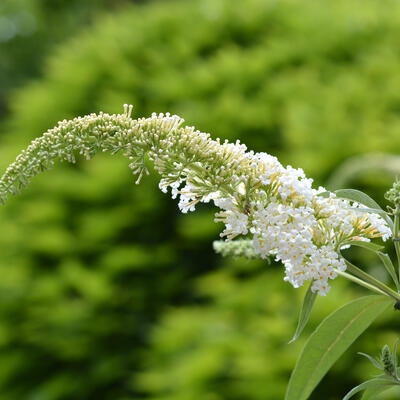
(276, 206)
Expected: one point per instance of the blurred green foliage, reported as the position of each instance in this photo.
(29, 29)
(108, 293)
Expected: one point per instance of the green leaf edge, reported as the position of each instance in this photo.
(388, 264)
(305, 312)
(372, 383)
(372, 359)
(394, 357)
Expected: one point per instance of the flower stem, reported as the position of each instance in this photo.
(366, 278)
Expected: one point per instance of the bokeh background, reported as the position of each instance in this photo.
(106, 290)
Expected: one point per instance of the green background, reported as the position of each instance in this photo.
(106, 290)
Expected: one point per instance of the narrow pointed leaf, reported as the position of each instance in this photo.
(359, 197)
(305, 312)
(330, 340)
(377, 365)
(370, 279)
(362, 198)
(387, 262)
(373, 383)
(394, 356)
(366, 245)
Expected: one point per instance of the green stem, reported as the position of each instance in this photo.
(372, 281)
(359, 282)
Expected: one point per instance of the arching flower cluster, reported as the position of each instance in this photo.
(286, 218)
(289, 219)
(276, 207)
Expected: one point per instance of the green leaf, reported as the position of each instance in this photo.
(330, 340)
(377, 365)
(376, 383)
(362, 198)
(370, 279)
(387, 262)
(370, 394)
(306, 308)
(394, 357)
(366, 245)
(359, 197)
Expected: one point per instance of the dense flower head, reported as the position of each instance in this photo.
(275, 207)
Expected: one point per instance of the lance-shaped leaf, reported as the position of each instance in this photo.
(387, 262)
(330, 340)
(372, 359)
(305, 312)
(362, 198)
(366, 245)
(359, 197)
(394, 357)
(376, 383)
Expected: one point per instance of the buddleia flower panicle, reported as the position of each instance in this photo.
(275, 207)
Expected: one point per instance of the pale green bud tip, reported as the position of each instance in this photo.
(128, 110)
(386, 359)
